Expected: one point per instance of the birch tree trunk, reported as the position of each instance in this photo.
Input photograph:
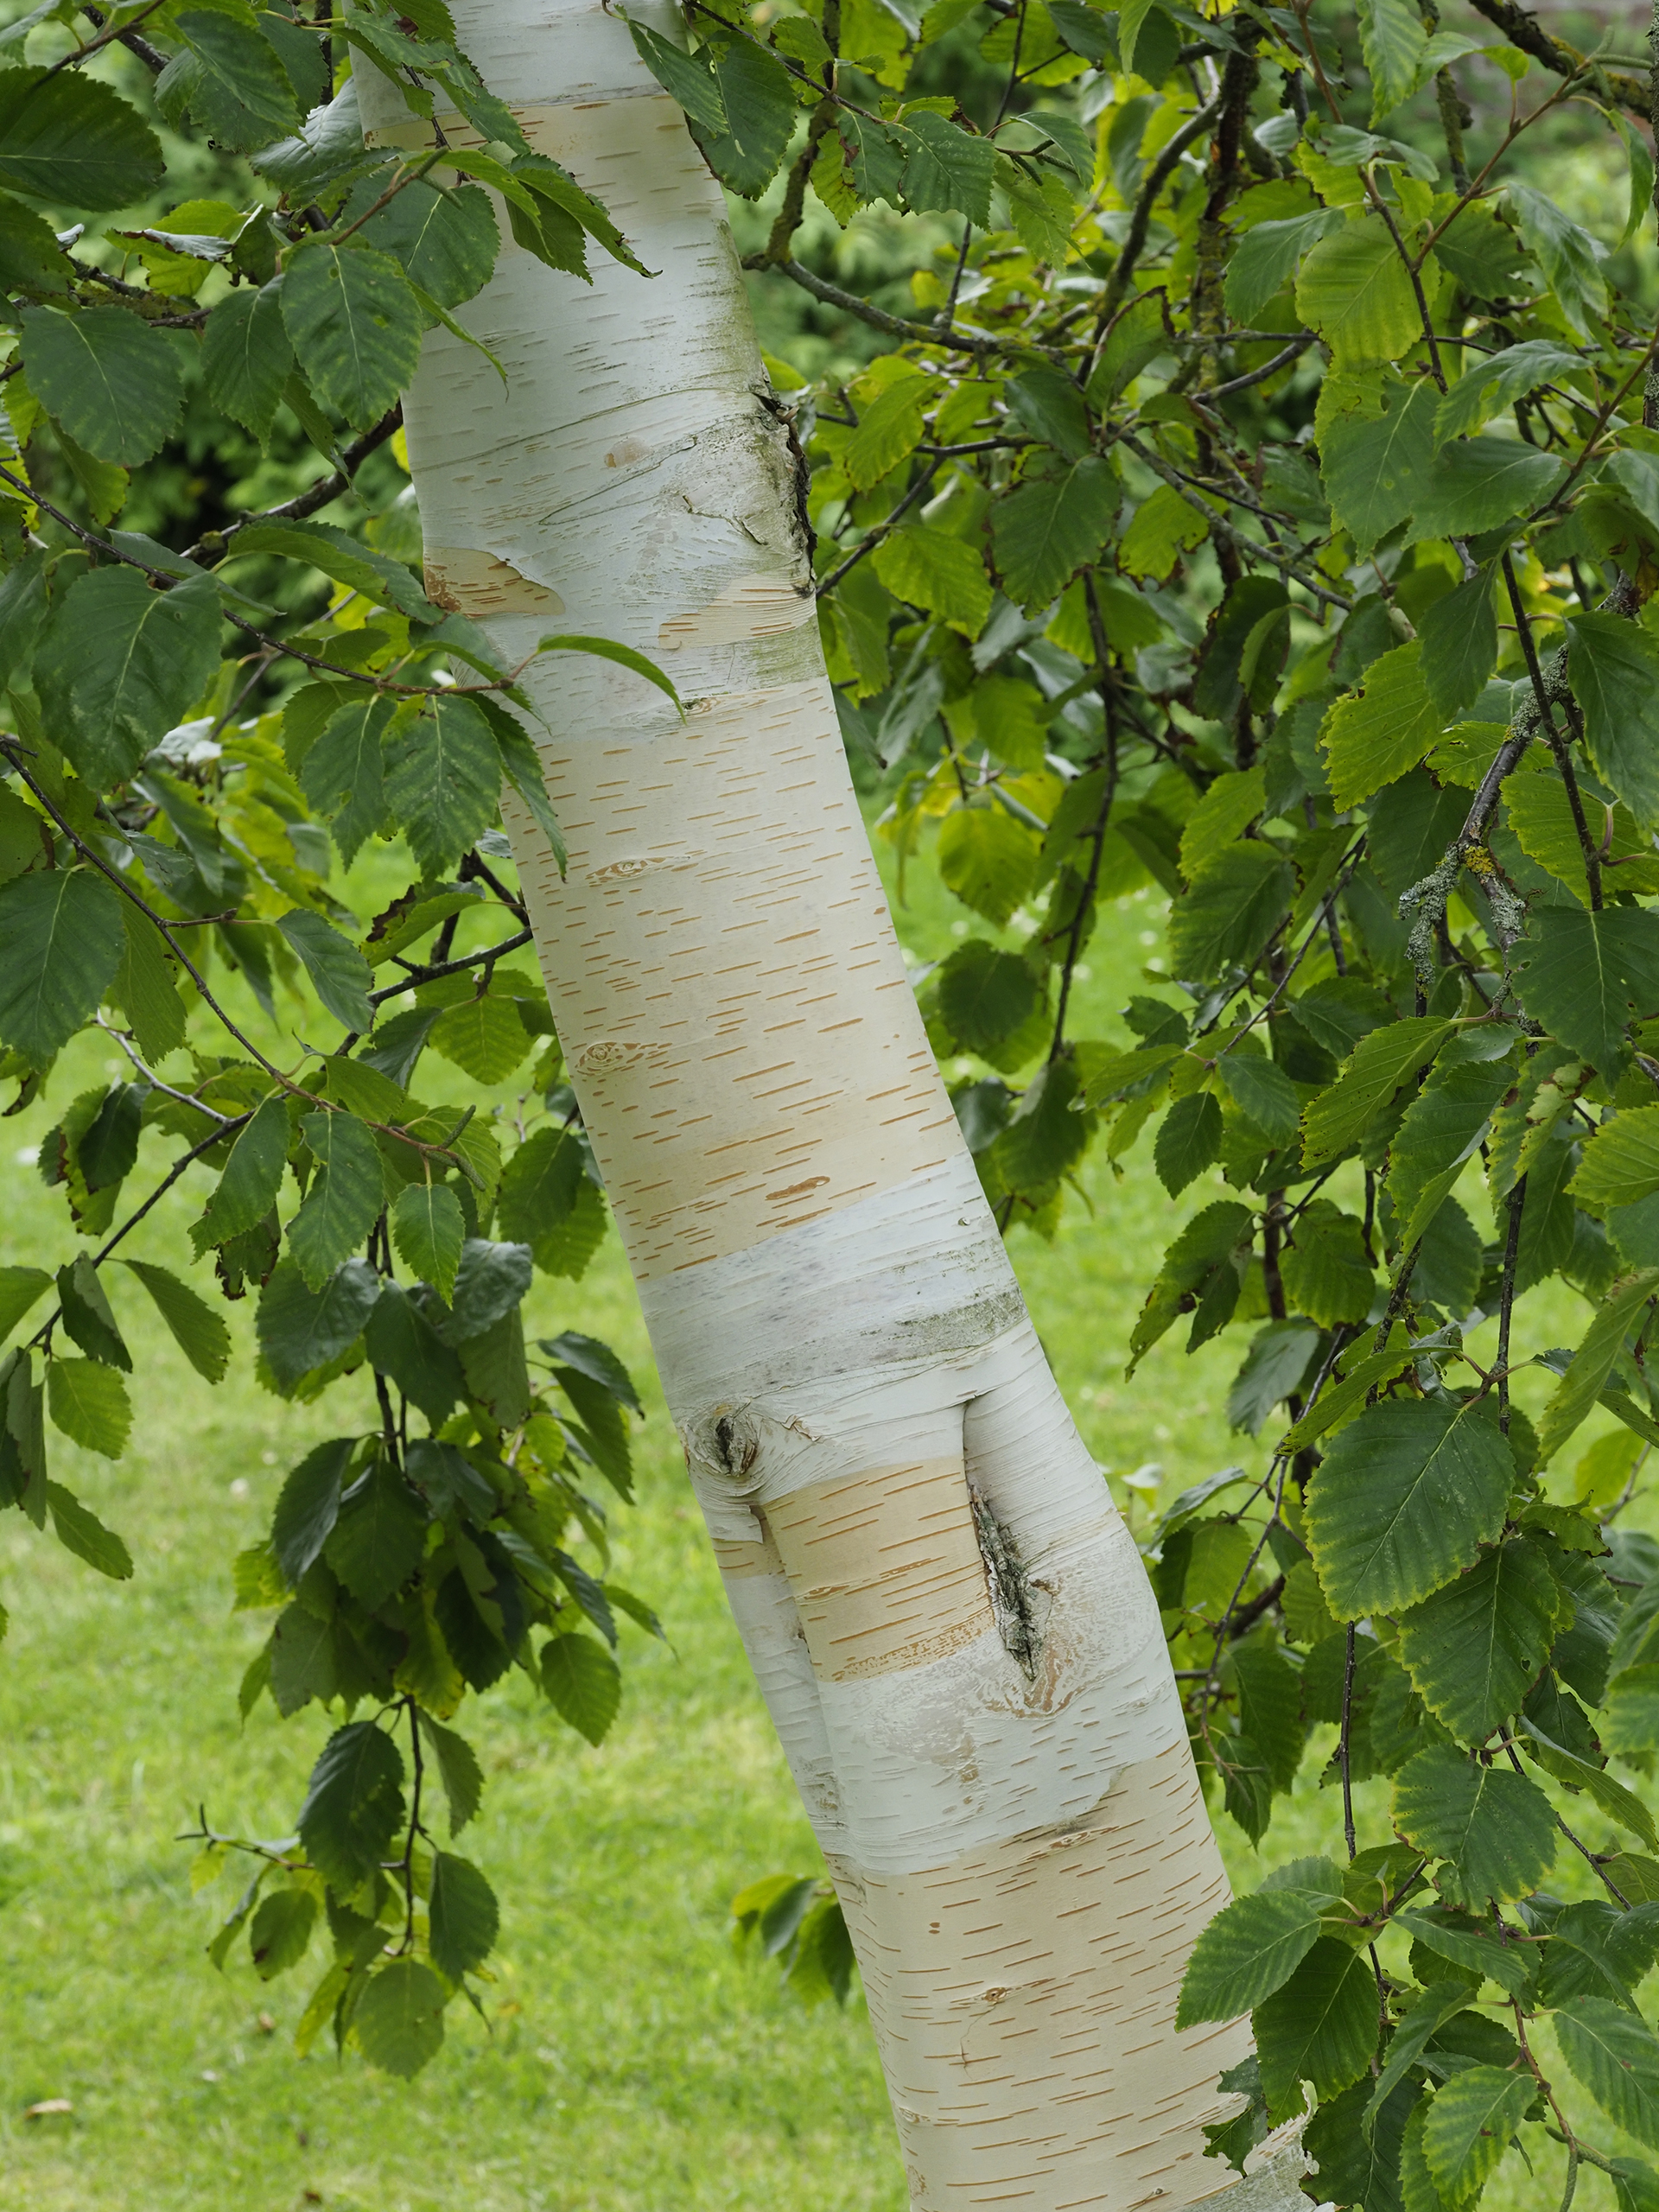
(951, 1625)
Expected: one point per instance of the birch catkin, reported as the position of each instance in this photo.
(950, 1625)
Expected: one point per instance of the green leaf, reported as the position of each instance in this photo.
(607, 649)
(946, 168)
(1230, 909)
(1488, 386)
(1125, 1075)
(1360, 2163)
(1619, 1803)
(596, 1361)
(1472, 1948)
(247, 358)
(1263, 1094)
(1403, 1500)
(402, 1343)
(1374, 465)
(483, 1037)
(1355, 290)
(1133, 19)
(379, 1538)
(539, 1189)
(344, 1198)
(20, 1290)
(1617, 2059)
(89, 1403)
(1379, 1064)
(71, 141)
(87, 1315)
(758, 101)
(31, 260)
(583, 1683)
(1444, 1126)
(458, 1770)
(1636, 2185)
(490, 1282)
(558, 210)
(340, 975)
(1189, 1141)
(1050, 405)
(1584, 975)
(1165, 526)
(1320, 2026)
(1278, 1359)
(465, 1916)
(398, 2022)
(342, 773)
(299, 1329)
(81, 1531)
(22, 610)
(1568, 255)
(1044, 1139)
(1459, 635)
(685, 78)
(1227, 808)
(247, 1190)
(1575, 1395)
(1391, 39)
(1252, 1948)
(352, 320)
(1268, 256)
(1479, 483)
(121, 665)
(359, 567)
(1495, 1827)
(109, 379)
(1051, 527)
(1470, 2125)
(443, 776)
(307, 1506)
(1596, 1949)
(1327, 1272)
(521, 765)
(446, 242)
(931, 569)
(144, 986)
(985, 995)
(281, 1933)
(1375, 733)
(354, 1805)
(988, 858)
(450, 1482)
(63, 938)
(428, 1229)
(1621, 1160)
(199, 1333)
(1475, 1649)
(109, 1150)
(231, 82)
(1614, 669)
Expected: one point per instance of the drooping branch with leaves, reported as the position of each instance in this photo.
(189, 767)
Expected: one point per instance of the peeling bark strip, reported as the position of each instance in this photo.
(952, 1626)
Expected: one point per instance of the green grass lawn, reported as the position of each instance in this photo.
(633, 2063)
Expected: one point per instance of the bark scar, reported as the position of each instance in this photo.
(1010, 1588)
(800, 469)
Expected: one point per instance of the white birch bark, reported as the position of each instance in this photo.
(948, 1618)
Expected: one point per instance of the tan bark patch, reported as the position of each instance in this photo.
(885, 1567)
